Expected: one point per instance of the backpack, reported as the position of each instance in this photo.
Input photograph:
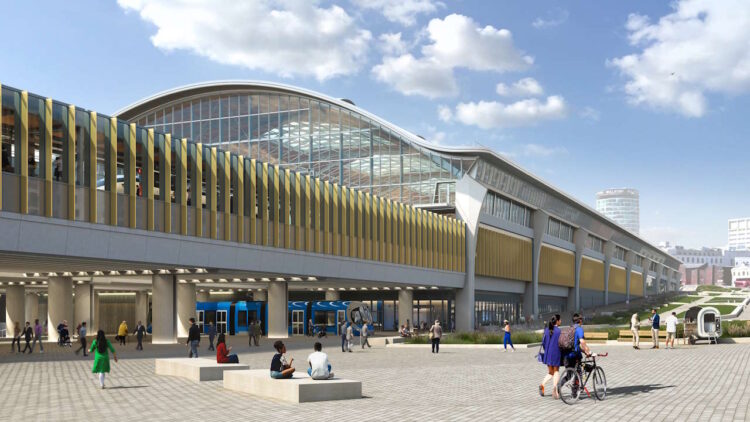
(567, 338)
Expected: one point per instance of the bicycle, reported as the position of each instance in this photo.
(572, 380)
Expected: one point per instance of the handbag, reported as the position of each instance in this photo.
(540, 354)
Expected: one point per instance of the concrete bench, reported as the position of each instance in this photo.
(196, 369)
(299, 389)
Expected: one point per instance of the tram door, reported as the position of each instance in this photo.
(221, 322)
(201, 321)
(298, 322)
(340, 317)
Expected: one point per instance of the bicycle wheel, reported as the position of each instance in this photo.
(600, 383)
(569, 387)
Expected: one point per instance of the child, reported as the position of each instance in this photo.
(280, 368)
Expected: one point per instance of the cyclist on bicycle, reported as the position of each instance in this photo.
(579, 343)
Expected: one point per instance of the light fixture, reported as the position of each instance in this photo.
(331, 288)
(33, 282)
(265, 279)
(409, 288)
(209, 280)
(312, 279)
(280, 279)
(352, 288)
(44, 282)
(98, 273)
(375, 288)
(422, 288)
(80, 282)
(397, 288)
(114, 273)
(48, 274)
(10, 283)
(236, 280)
(320, 289)
(222, 280)
(67, 274)
(296, 279)
(386, 288)
(342, 289)
(433, 288)
(22, 283)
(146, 272)
(182, 281)
(82, 273)
(252, 280)
(130, 272)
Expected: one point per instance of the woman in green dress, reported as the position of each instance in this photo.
(101, 346)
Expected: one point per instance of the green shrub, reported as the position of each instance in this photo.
(735, 329)
(613, 333)
(517, 337)
(714, 294)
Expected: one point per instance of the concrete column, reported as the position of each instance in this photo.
(163, 310)
(469, 197)
(629, 258)
(141, 307)
(645, 270)
(185, 308)
(260, 296)
(579, 238)
(203, 296)
(609, 249)
(405, 306)
(15, 308)
(83, 304)
(59, 305)
(95, 312)
(32, 307)
(531, 295)
(278, 297)
(332, 295)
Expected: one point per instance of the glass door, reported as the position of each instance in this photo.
(221, 322)
(298, 323)
(200, 320)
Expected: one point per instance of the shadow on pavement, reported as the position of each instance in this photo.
(122, 387)
(634, 390)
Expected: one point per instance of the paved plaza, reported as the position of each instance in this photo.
(691, 383)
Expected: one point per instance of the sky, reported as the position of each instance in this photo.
(586, 95)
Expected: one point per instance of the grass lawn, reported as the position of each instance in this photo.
(709, 288)
(726, 300)
(714, 294)
(663, 309)
(685, 299)
(723, 309)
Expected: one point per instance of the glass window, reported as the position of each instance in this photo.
(11, 122)
(36, 136)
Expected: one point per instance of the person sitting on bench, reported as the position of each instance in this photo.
(222, 351)
(280, 368)
(319, 368)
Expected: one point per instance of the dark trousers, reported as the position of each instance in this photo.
(233, 359)
(211, 343)
(343, 343)
(83, 346)
(27, 347)
(253, 339)
(436, 345)
(139, 346)
(16, 341)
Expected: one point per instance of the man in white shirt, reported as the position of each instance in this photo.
(363, 333)
(319, 368)
(349, 337)
(635, 325)
(671, 329)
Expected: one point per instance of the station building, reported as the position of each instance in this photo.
(302, 197)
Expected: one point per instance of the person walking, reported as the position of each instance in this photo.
(506, 337)
(552, 356)
(252, 334)
(28, 334)
(671, 329)
(101, 348)
(349, 337)
(211, 331)
(139, 332)
(258, 333)
(342, 333)
(194, 339)
(635, 326)
(654, 318)
(82, 338)
(436, 332)
(310, 328)
(37, 336)
(363, 334)
(122, 332)
(16, 337)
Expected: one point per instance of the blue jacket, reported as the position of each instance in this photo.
(655, 321)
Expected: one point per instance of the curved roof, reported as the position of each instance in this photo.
(175, 94)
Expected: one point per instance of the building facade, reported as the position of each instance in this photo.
(739, 234)
(621, 206)
(289, 193)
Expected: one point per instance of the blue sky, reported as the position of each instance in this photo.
(642, 94)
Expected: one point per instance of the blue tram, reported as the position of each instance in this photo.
(235, 317)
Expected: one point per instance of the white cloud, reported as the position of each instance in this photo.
(521, 88)
(458, 41)
(400, 11)
(590, 113)
(445, 113)
(454, 42)
(554, 18)
(493, 114)
(412, 76)
(391, 44)
(290, 38)
(700, 48)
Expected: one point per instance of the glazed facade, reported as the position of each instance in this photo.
(312, 136)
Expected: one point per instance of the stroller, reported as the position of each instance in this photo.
(63, 337)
